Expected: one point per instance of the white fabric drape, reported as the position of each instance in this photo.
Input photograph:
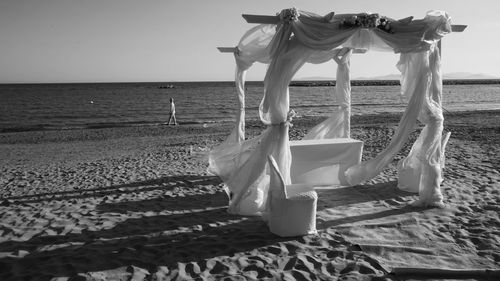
(415, 83)
(338, 124)
(237, 135)
(323, 33)
(242, 166)
(249, 182)
(239, 129)
(252, 48)
(421, 170)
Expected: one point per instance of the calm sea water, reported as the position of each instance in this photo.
(65, 106)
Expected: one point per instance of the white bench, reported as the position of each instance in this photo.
(323, 162)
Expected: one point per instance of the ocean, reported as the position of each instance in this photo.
(25, 107)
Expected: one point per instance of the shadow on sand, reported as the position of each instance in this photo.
(145, 242)
(200, 229)
(350, 195)
(165, 183)
(354, 195)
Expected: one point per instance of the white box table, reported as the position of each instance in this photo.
(323, 162)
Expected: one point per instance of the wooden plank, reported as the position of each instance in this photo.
(261, 19)
(235, 50)
(275, 19)
(458, 27)
(228, 49)
(447, 273)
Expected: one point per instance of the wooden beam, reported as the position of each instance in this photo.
(228, 49)
(446, 273)
(458, 27)
(235, 50)
(262, 19)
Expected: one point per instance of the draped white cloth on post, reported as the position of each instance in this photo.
(338, 125)
(298, 39)
(251, 49)
(421, 170)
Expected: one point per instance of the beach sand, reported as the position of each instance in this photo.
(136, 203)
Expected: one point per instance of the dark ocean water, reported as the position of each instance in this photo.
(26, 107)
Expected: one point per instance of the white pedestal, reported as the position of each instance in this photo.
(323, 162)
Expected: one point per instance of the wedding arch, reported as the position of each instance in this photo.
(289, 40)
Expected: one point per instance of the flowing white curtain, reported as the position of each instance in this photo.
(421, 170)
(242, 166)
(224, 158)
(338, 124)
(415, 83)
(251, 48)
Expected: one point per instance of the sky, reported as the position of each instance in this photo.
(54, 41)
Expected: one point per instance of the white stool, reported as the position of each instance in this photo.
(290, 214)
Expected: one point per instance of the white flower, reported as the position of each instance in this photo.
(289, 15)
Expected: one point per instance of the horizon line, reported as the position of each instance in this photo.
(305, 79)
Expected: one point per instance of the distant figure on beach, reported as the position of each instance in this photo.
(172, 112)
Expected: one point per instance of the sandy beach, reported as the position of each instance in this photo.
(136, 203)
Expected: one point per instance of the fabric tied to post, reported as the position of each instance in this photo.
(338, 124)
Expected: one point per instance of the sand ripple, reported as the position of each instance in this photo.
(135, 205)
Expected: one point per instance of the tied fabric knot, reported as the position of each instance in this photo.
(344, 106)
(289, 117)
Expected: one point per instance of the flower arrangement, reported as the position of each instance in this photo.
(289, 15)
(385, 25)
(365, 20)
